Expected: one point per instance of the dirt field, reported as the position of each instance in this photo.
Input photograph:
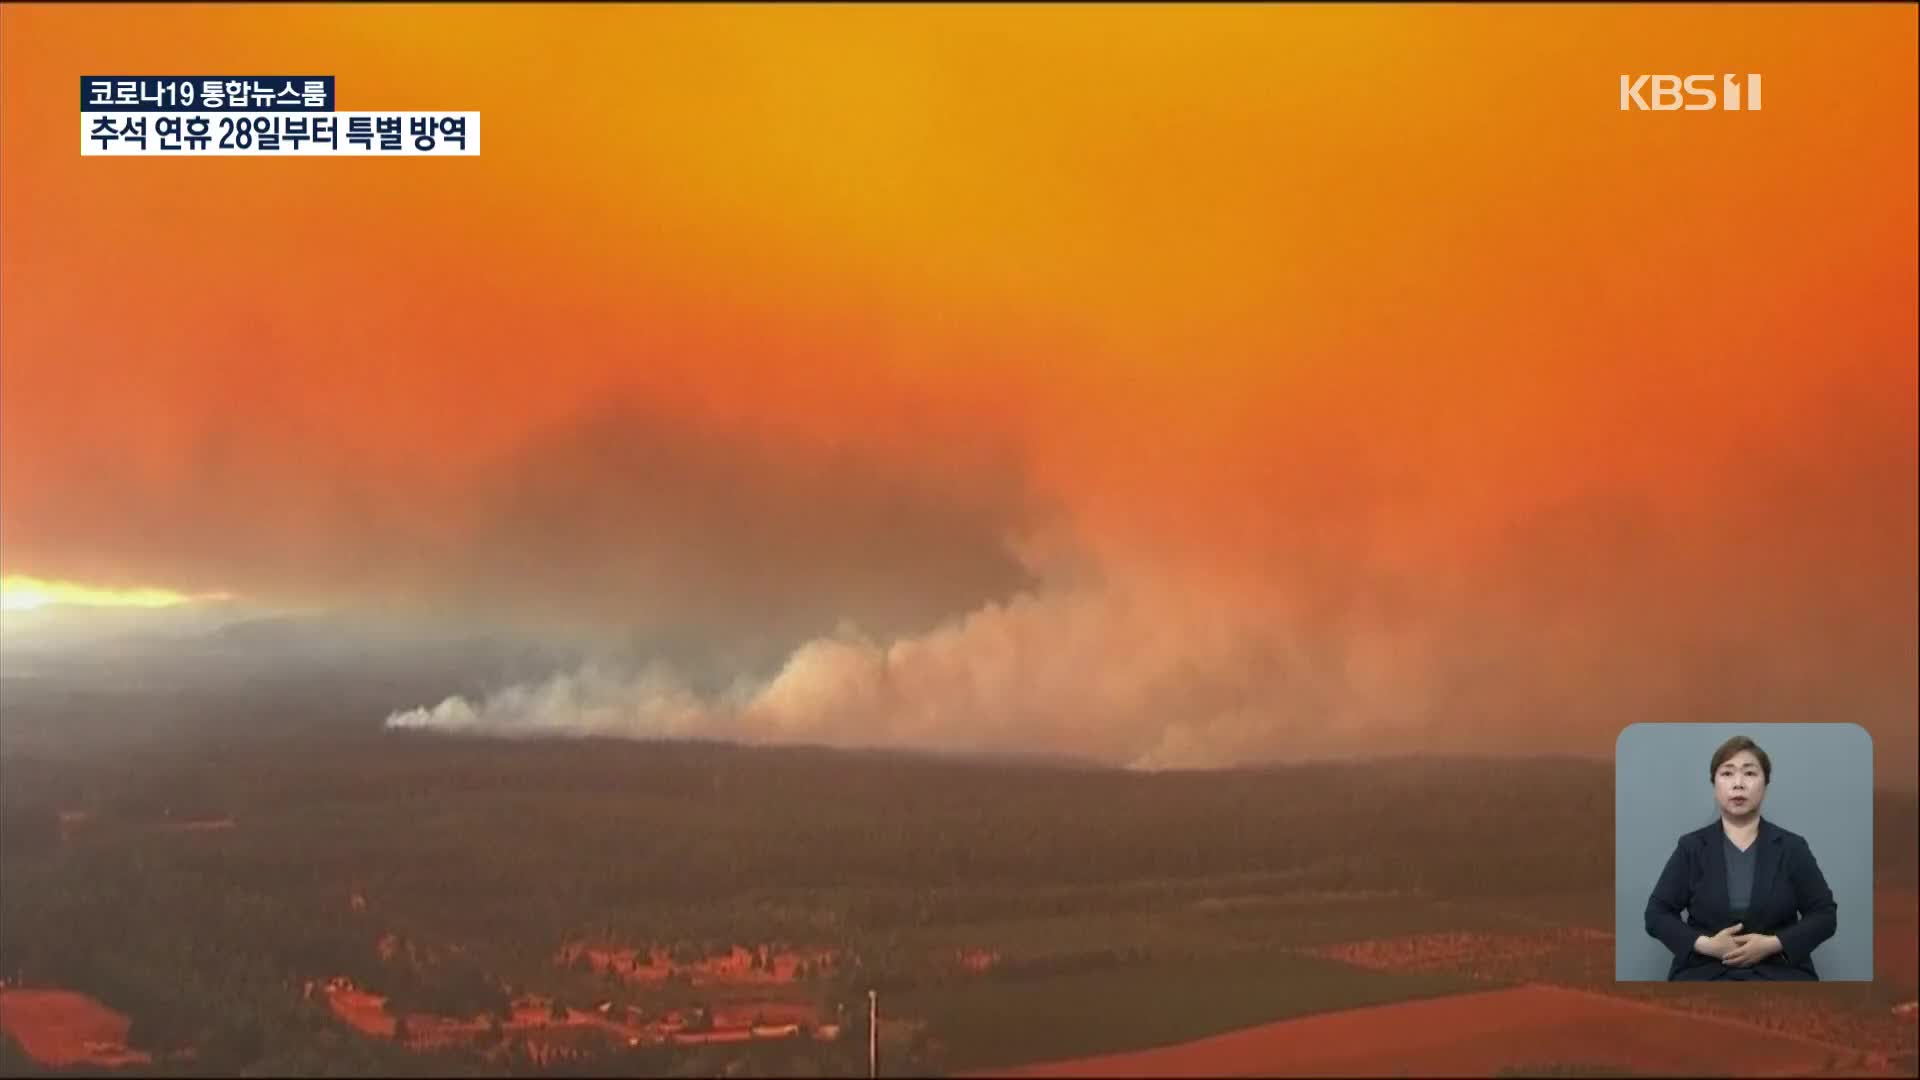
(1476, 1034)
(60, 1027)
(366, 1012)
(1844, 1014)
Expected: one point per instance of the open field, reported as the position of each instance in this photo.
(1546, 940)
(1475, 1034)
(366, 1012)
(987, 1022)
(1861, 1016)
(63, 1028)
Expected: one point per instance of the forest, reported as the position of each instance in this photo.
(199, 888)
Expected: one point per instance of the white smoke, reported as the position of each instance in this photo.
(1547, 634)
(1136, 673)
(591, 701)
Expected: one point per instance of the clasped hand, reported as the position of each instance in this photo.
(1735, 949)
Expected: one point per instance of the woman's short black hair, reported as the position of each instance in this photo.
(1735, 745)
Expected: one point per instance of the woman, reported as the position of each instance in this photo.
(1756, 905)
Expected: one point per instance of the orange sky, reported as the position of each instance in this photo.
(1373, 337)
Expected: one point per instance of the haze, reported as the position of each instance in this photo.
(1129, 399)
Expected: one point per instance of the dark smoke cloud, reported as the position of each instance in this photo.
(715, 547)
(1786, 593)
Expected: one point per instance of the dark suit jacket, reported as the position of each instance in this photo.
(1791, 901)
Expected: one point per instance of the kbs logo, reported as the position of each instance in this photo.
(1664, 93)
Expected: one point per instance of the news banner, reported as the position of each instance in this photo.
(228, 116)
